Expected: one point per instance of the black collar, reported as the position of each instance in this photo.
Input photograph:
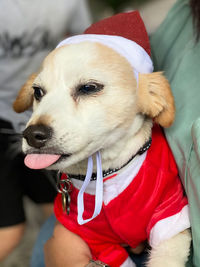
(143, 149)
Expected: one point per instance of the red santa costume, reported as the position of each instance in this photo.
(143, 200)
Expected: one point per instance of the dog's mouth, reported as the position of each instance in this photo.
(41, 161)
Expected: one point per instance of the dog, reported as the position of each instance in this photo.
(86, 99)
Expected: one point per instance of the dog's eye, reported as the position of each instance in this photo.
(89, 88)
(38, 92)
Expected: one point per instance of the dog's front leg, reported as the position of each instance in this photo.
(171, 253)
(66, 249)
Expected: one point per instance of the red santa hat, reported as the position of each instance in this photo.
(126, 34)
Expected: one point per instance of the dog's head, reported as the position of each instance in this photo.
(86, 98)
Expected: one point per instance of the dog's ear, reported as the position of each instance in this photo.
(24, 98)
(155, 98)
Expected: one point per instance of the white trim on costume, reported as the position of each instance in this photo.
(113, 187)
(169, 227)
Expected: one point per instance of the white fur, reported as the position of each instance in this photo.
(72, 121)
(172, 252)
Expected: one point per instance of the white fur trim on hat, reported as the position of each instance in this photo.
(134, 53)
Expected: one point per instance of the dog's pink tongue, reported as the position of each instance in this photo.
(40, 161)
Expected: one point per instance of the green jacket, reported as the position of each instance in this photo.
(176, 52)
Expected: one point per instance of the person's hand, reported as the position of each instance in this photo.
(66, 249)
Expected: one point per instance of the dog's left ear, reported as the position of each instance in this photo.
(24, 98)
(155, 98)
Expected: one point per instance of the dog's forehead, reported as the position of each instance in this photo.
(73, 64)
(85, 57)
(73, 53)
(89, 51)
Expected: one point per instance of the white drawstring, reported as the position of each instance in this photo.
(99, 190)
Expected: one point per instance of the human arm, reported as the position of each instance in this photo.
(66, 249)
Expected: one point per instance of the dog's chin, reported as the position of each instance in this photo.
(72, 164)
(62, 163)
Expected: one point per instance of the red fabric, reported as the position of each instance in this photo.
(128, 25)
(155, 193)
(103, 242)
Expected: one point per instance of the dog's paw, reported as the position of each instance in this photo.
(165, 263)
(173, 252)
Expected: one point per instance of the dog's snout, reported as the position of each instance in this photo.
(37, 135)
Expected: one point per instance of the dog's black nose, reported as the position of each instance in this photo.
(37, 135)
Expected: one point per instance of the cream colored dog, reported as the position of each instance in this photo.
(86, 99)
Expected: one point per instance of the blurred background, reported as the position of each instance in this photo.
(153, 13)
